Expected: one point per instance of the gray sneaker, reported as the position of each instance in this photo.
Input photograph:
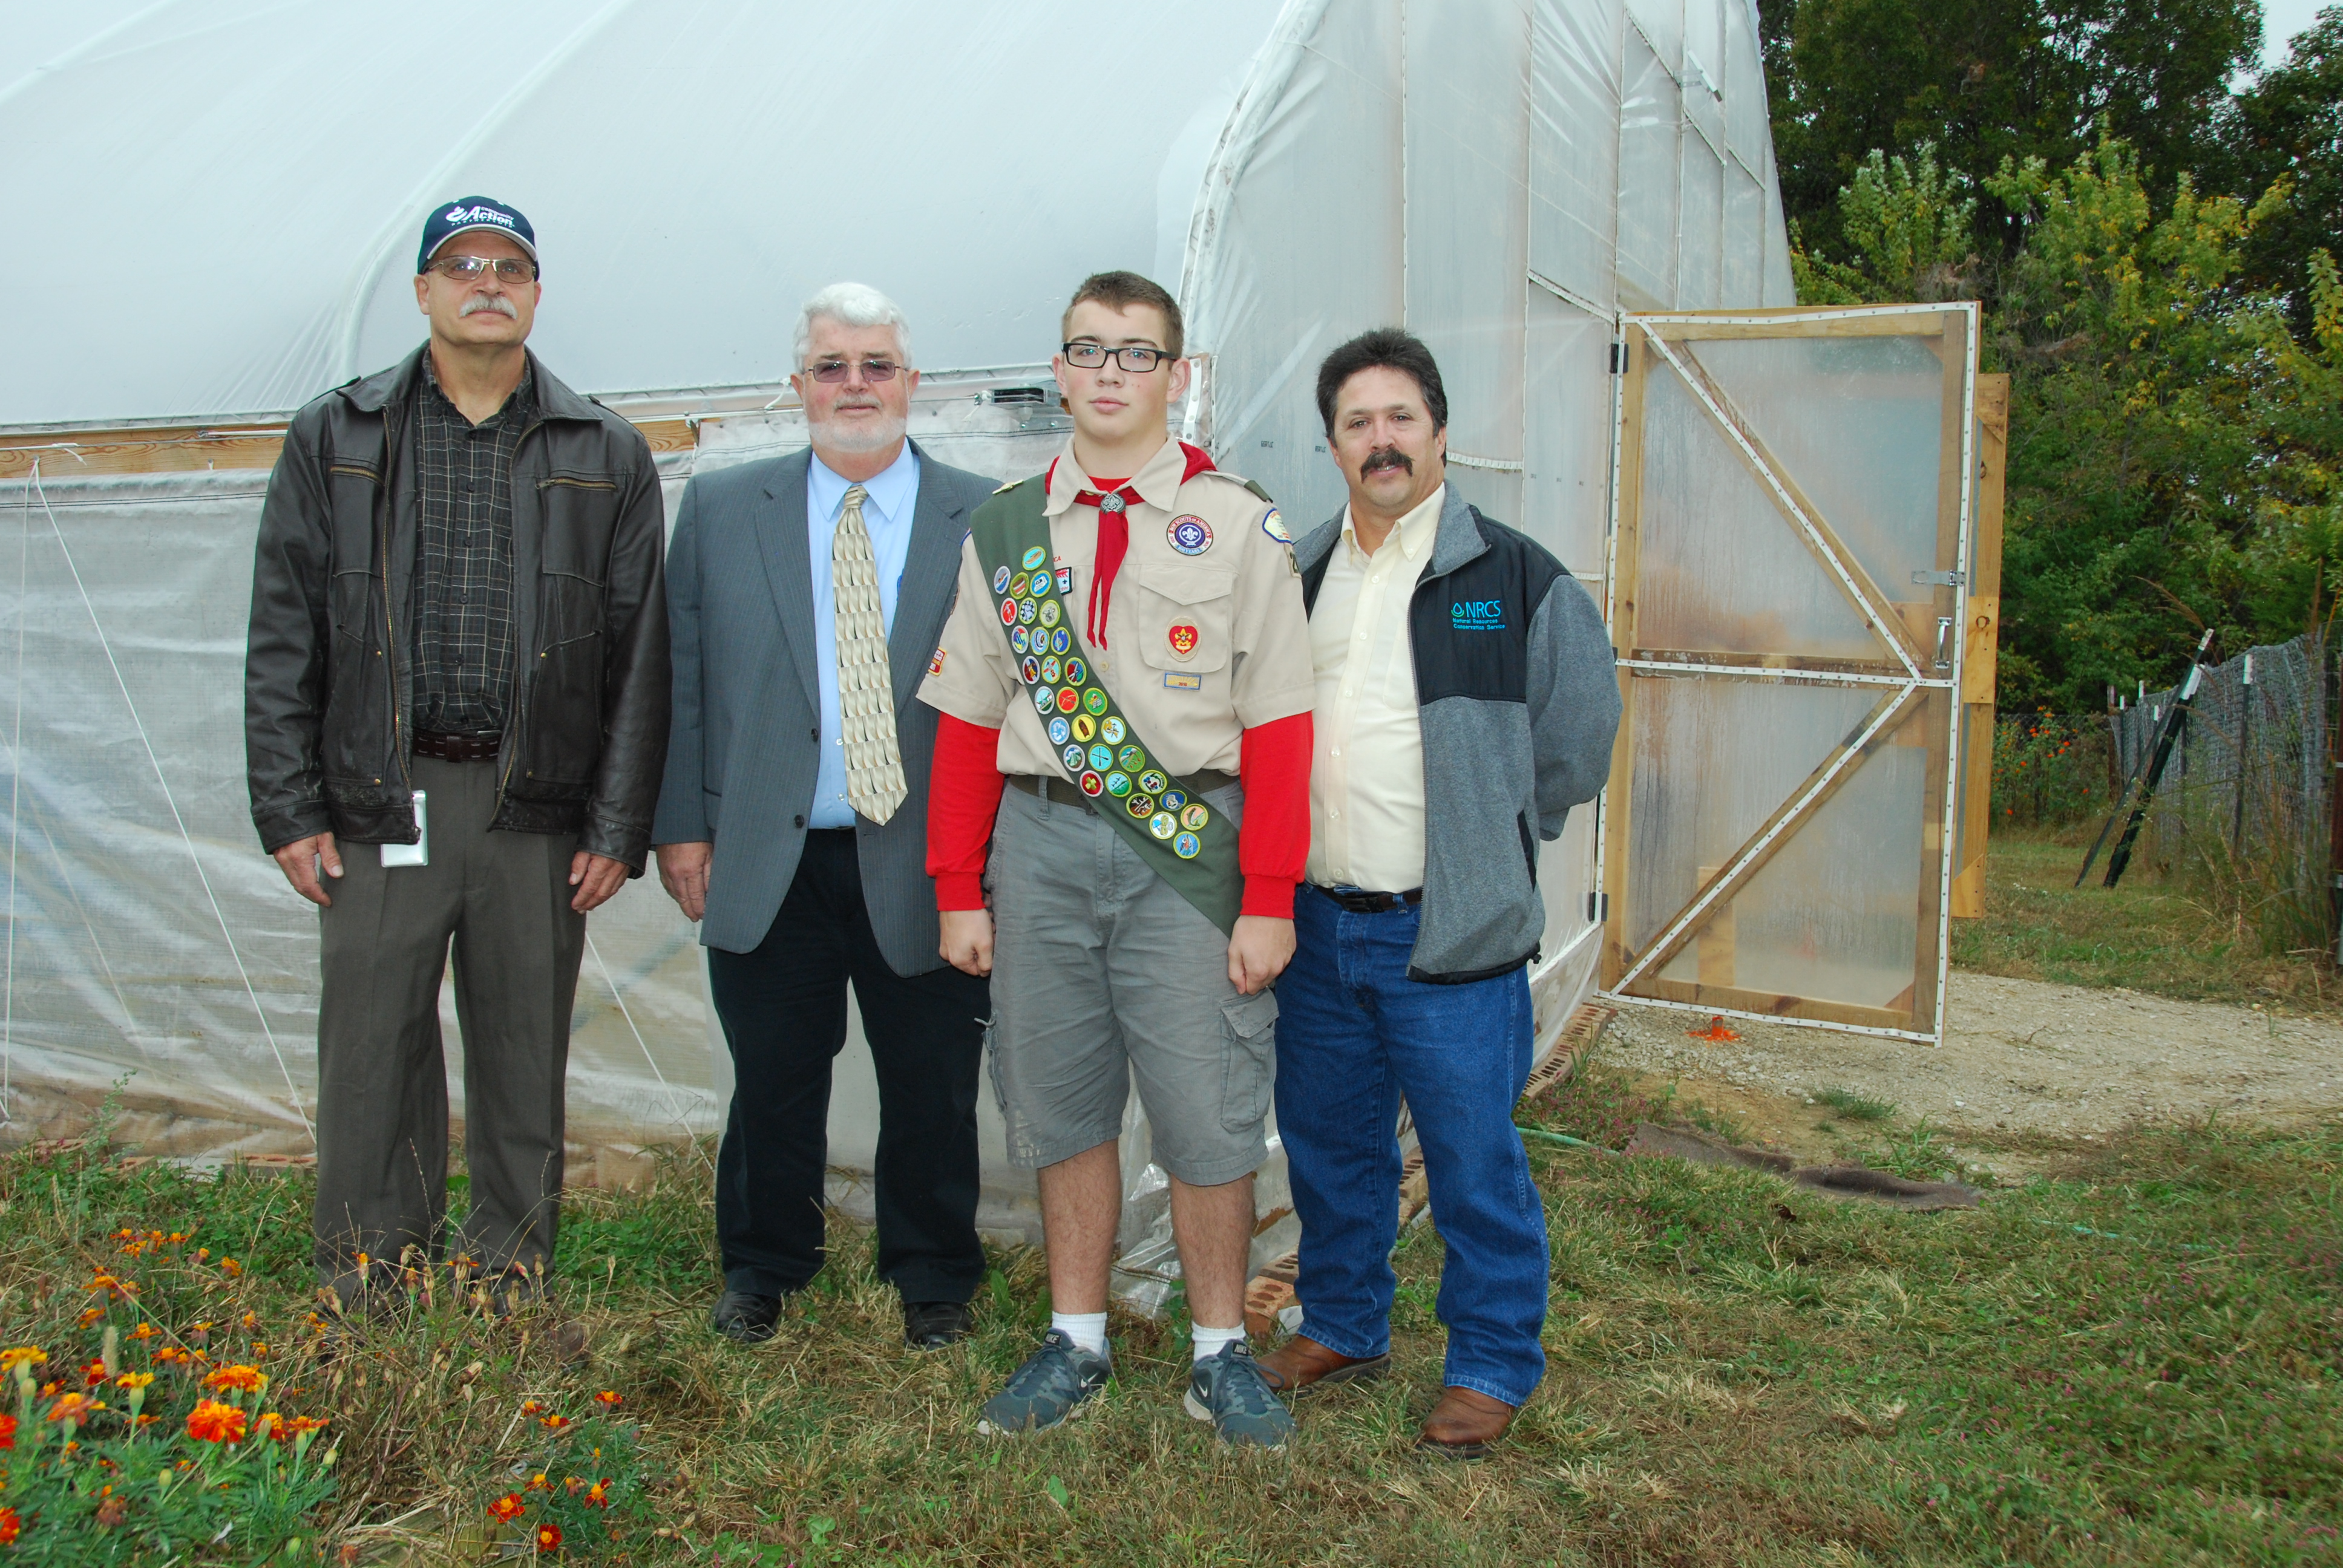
(1229, 1391)
(1053, 1386)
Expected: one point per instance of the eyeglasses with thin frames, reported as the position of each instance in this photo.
(1139, 361)
(835, 370)
(468, 269)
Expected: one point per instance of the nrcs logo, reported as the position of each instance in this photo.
(1477, 615)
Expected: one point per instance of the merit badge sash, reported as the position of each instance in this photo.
(1183, 840)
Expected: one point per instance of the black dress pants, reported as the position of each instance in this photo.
(783, 1007)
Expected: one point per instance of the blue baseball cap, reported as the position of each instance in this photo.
(465, 213)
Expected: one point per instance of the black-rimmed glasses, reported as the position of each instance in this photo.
(1091, 356)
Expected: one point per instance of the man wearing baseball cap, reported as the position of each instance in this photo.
(456, 715)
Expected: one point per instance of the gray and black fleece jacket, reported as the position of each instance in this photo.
(1520, 701)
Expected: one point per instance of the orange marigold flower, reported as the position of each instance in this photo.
(7, 1432)
(75, 1407)
(231, 1268)
(549, 1538)
(598, 1495)
(170, 1355)
(142, 1332)
(507, 1508)
(213, 1421)
(134, 1380)
(553, 1422)
(243, 1379)
(537, 1483)
(20, 1356)
(250, 1320)
(90, 1315)
(301, 1423)
(10, 1527)
(203, 1253)
(273, 1425)
(609, 1397)
(530, 1407)
(92, 1374)
(51, 1390)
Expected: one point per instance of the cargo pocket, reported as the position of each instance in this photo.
(992, 1067)
(1185, 616)
(1249, 1066)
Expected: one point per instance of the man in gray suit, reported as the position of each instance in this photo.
(807, 594)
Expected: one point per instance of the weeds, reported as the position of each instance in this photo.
(1854, 1107)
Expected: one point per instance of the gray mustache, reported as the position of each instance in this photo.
(495, 302)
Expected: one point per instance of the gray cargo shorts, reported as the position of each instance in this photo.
(1101, 973)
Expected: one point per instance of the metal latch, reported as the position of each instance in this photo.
(1944, 642)
(1940, 579)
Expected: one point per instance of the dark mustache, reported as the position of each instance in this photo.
(1387, 458)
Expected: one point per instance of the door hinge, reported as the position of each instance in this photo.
(1618, 358)
(1940, 579)
(1598, 908)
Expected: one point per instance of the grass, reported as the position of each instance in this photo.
(2146, 934)
(1740, 1372)
(1854, 1106)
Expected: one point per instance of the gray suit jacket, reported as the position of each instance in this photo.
(740, 594)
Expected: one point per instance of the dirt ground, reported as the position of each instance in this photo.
(2024, 1066)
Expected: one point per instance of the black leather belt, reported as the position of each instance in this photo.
(1364, 903)
(457, 748)
(1065, 792)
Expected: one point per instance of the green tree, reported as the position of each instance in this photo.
(1910, 228)
(2288, 125)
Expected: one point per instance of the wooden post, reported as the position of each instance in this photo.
(1978, 670)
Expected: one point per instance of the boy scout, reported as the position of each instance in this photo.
(1130, 649)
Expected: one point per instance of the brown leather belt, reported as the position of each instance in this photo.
(1366, 903)
(457, 748)
(1065, 792)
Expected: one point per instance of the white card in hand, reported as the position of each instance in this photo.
(418, 853)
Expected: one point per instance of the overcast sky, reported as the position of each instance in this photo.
(2281, 20)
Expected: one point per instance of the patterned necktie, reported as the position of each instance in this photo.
(866, 692)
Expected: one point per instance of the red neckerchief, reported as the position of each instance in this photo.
(1115, 531)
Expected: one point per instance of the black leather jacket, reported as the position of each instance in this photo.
(328, 683)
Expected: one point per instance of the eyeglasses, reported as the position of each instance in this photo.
(1091, 356)
(468, 268)
(835, 370)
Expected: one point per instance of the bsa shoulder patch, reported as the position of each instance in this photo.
(936, 664)
(1274, 527)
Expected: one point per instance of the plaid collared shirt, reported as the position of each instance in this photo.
(464, 555)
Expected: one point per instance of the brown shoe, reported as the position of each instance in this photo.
(1301, 1361)
(1464, 1424)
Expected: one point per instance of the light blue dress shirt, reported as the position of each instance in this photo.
(890, 497)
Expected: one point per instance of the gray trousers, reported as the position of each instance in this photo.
(503, 899)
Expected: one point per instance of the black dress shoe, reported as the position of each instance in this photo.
(933, 1325)
(744, 1317)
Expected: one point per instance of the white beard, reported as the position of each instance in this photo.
(860, 435)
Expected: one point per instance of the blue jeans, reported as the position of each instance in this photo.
(1353, 1035)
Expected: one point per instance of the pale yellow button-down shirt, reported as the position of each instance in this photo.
(1366, 783)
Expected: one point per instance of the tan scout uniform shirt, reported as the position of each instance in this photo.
(1366, 781)
(1234, 607)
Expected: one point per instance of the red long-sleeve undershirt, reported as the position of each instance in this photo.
(1272, 843)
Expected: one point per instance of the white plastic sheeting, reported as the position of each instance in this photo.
(1499, 175)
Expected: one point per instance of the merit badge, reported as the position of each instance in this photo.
(1162, 824)
(1058, 731)
(1194, 816)
(1030, 670)
(1189, 534)
(1140, 806)
(1068, 698)
(1001, 581)
(1092, 784)
(1058, 642)
(936, 664)
(1084, 728)
(1019, 640)
(1065, 580)
(1076, 671)
(1072, 758)
(1009, 612)
(1183, 680)
(1034, 557)
(1018, 585)
(1187, 846)
(1101, 758)
(1153, 782)
(1042, 699)
(1174, 799)
(1274, 527)
(1050, 612)
(1118, 784)
(1025, 611)
(1133, 758)
(1093, 700)
(1050, 671)
(1113, 733)
(1183, 640)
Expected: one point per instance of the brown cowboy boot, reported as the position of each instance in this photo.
(1301, 1361)
(1464, 1424)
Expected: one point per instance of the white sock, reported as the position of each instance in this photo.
(1212, 1342)
(1087, 1329)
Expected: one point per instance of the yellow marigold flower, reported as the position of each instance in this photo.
(142, 1332)
(553, 1422)
(75, 1407)
(244, 1379)
(213, 1421)
(90, 1315)
(598, 1495)
(22, 1355)
(537, 1483)
(134, 1380)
